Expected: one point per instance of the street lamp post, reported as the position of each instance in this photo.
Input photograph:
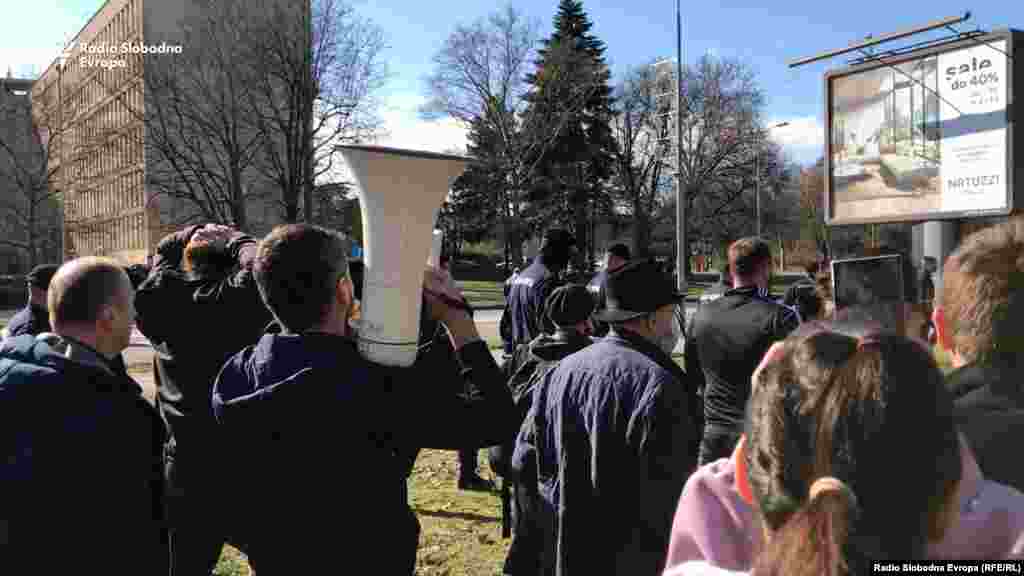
(757, 172)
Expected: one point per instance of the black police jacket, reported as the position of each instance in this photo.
(726, 340)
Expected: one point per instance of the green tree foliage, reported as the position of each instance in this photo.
(571, 172)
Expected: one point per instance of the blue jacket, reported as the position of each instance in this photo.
(80, 463)
(29, 320)
(613, 437)
(524, 311)
(320, 435)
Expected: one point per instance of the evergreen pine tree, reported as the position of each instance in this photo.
(570, 103)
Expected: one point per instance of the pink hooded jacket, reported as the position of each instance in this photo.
(714, 524)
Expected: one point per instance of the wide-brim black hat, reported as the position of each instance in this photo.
(637, 289)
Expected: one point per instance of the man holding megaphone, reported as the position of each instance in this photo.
(321, 432)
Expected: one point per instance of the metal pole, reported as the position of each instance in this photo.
(757, 180)
(681, 249)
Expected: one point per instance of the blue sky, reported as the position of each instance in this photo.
(765, 34)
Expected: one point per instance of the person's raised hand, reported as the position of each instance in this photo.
(442, 295)
(214, 233)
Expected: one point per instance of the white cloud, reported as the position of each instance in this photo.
(403, 128)
(803, 139)
(27, 61)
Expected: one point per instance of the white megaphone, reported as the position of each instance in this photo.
(400, 193)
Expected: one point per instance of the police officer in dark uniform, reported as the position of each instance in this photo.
(524, 319)
(616, 257)
(727, 338)
(34, 318)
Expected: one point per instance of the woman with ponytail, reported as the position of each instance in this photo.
(850, 456)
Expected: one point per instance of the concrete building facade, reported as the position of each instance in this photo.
(94, 99)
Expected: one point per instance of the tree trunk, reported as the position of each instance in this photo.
(238, 212)
(641, 232)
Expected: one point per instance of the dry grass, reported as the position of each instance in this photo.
(460, 531)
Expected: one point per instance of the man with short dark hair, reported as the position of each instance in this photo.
(980, 323)
(523, 318)
(198, 306)
(322, 435)
(727, 338)
(81, 487)
(33, 318)
(616, 257)
(611, 434)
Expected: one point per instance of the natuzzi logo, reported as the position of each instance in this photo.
(974, 65)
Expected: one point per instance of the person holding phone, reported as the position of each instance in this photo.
(882, 289)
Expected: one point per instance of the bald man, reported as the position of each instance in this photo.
(80, 448)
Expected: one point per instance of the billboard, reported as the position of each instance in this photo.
(924, 137)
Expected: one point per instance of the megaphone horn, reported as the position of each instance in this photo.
(400, 194)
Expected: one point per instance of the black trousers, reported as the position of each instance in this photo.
(718, 442)
(467, 462)
(199, 520)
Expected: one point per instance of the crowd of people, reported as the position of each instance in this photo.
(798, 437)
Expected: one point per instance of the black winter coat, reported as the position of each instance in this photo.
(989, 407)
(195, 324)
(81, 488)
(321, 435)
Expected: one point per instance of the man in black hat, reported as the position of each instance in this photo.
(727, 338)
(612, 435)
(34, 318)
(569, 309)
(523, 319)
(616, 257)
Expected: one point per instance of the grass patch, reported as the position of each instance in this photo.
(481, 293)
(231, 563)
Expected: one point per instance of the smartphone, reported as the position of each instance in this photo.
(866, 282)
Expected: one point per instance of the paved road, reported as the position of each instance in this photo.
(139, 355)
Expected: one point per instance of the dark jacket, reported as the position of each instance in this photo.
(525, 307)
(726, 340)
(612, 443)
(29, 320)
(596, 288)
(80, 472)
(195, 324)
(319, 435)
(520, 372)
(524, 371)
(989, 408)
(802, 296)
